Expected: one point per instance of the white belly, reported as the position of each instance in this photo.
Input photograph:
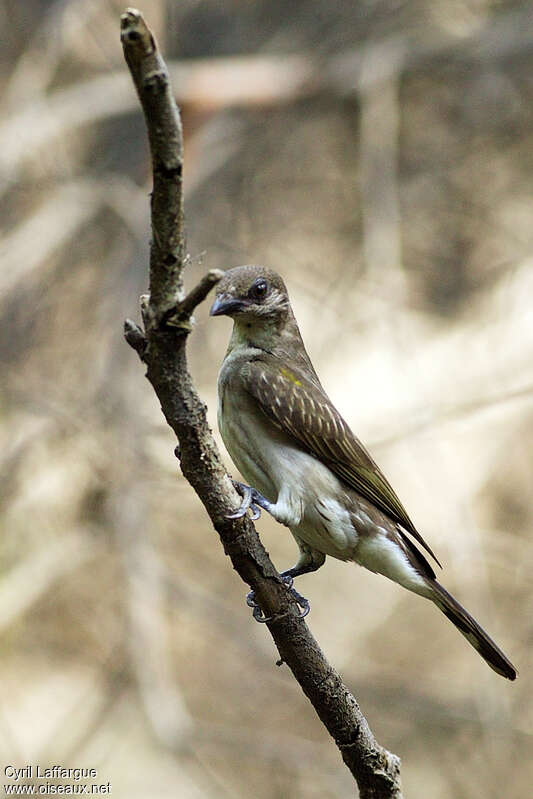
(304, 491)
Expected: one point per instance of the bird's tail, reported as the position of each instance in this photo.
(471, 630)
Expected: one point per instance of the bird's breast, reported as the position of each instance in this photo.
(308, 496)
(246, 439)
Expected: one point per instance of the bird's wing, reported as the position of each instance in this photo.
(301, 408)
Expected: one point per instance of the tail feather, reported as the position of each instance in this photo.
(474, 634)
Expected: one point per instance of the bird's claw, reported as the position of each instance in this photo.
(246, 492)
(301, 601)
(250, 499)
(257, 613)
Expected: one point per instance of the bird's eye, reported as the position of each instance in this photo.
(258, 289)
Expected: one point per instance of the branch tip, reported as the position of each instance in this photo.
(135, 33)
(180, 315)
(135, 337)
(214, 275)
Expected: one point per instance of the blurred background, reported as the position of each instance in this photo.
(378, 154)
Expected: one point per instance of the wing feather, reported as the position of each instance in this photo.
(300, 407)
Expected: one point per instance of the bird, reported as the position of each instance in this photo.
(303, 464)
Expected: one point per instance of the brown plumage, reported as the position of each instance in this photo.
(292, 445)
(303, 409)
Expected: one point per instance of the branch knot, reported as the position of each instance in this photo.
(155, 81)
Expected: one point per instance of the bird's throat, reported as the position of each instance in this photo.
(279, 337)
(257, 334)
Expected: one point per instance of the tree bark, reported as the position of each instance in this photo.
(161, 345)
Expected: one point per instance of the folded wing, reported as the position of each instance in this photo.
(302, 409)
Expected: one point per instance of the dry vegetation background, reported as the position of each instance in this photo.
(392, 188)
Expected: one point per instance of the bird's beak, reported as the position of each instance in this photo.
(225, 305)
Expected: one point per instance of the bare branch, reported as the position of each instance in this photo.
(135, 337)
(150, 75)
(180, 316)
(375, 770)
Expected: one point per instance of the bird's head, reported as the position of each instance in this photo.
(252, 295)
(257, 300)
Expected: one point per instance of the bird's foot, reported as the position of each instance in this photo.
(257, 613)
(302, 602)
(251, 500)
(287, 580)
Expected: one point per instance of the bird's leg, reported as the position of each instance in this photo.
(251, 498)
(309, 561)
